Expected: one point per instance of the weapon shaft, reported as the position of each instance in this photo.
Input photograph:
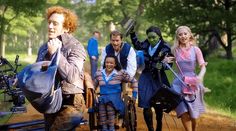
(177, 76)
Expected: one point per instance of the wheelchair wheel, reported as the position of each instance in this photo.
(130, 120)
(93, 121)
(93, 113)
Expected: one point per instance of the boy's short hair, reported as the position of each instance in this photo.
(116, 33)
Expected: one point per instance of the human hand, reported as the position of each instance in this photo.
(134, 99)
(15, 81)
(53, 45)
(131, 30)
(168, 59)
(199, 79)
(94, 57)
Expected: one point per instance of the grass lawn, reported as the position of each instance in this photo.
(220, 78)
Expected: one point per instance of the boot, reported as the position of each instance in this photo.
(147, 113)
(159, 115)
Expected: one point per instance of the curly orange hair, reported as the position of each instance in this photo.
(71, 19)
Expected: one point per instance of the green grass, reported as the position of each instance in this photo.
(220, 78)
(23, 60)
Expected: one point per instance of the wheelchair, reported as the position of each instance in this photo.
(129, 120)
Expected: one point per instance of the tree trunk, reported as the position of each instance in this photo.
(29, 47)
(2, 53)
(228, 49)
(229, 54)
(229, 28)
(2, 45)
(139, 12)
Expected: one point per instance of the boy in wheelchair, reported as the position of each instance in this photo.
(110, 101)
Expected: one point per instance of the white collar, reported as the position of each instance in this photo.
(151, 50)
(107, 77)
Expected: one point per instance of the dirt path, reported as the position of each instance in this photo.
(208, 122)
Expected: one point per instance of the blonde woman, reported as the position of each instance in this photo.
(188, 55)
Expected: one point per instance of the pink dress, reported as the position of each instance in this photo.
(187, 60)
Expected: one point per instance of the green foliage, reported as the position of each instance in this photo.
(203, 17)
(29, 7)
(52, 1)
(198, 15)
(22, 26)
(24, 59)
(24, 19)
(100, 15)
(220, 78)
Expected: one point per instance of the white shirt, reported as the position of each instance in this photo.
(151, 50)
(131, 61)
(109, 76)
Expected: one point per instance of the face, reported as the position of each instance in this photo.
(110, 64)
(55, 25)
(183, 36)
(152, 38)
(116, 42)
(97, 35)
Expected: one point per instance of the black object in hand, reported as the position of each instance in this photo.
(128, 24)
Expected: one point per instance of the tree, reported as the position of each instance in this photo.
(208, 19)
(12, 9)
(100, 15)
(205, 17)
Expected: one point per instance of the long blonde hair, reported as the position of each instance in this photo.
(176, 40)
